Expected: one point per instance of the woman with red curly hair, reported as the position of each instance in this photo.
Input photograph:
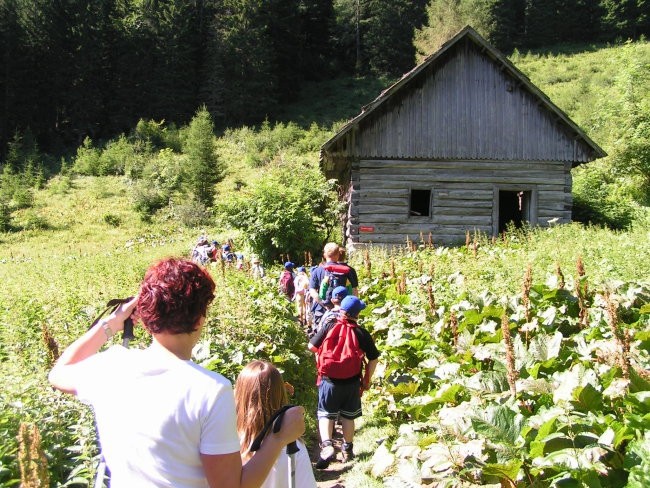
(162, 419)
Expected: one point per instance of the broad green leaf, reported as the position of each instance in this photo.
(553, 442)
(544, 347)
(499, 424)
(587, 398)
(447, 395)
(638, 383)
(546, 429)
(640, 400)
(472, 317)
(493, 312)
(507, 470)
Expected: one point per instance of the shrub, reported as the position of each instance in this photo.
(191, 213)
(148, 198)
(162, 177)
(597, 201)
(290, 209)
(112, 220)
(60, 184)
(87, 161)
(35, 221)
(116, 157)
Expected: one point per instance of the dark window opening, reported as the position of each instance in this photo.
(420, 203)
(514, 209)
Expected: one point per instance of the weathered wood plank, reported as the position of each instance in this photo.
(458, 203)
(396, 240)
(463, 211)
(476, 173)
(399, 202)
(420, 180)
(364, 193)
(425, 230)
(444, 194)
(387, 164)
(383, 209)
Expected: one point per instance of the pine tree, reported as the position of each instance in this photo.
(203, 170)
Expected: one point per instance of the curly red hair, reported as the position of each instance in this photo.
(174, 295)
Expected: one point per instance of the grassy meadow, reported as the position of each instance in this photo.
(575, 301)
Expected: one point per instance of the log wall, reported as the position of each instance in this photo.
(463, 197)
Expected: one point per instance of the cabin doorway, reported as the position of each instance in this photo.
(514, 208)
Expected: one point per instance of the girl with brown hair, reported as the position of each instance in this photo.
(260, 391)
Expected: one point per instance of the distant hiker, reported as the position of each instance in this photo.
(341, 347)
(214, 252)
(326, 277)
(239, 260)
(285, 283)
(260, 391)
(162, 419)
(200, 252)
(227, 255)
(301, 286)
(339, 293)
(257, 269)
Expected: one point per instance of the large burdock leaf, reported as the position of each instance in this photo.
(566, 382)
(574, 459)
(544, 347)
(587, 399)
(382, 460)
(506, 471)
(438, 458)
(499, 424)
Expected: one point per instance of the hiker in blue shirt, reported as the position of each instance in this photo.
(328, 276)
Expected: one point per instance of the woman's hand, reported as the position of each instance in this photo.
(126, 310)
(293, 425)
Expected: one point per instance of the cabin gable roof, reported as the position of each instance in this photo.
(464, 102)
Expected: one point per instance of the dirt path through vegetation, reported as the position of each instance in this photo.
(334, 475)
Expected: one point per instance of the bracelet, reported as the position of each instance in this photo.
(107, 330)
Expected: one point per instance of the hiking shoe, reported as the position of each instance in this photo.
(326, 455)
(347, 452)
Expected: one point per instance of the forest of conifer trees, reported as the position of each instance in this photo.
(73, 69)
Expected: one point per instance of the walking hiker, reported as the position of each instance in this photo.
(285, 283)
(259, 392)
(341, 347)
(301, 287)
(338, 295)
(163, 420)
(327, 276)
(256, 268)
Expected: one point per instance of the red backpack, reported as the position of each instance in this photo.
(339, 356)
(286, 284)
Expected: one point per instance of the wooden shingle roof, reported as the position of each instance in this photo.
(341, 141)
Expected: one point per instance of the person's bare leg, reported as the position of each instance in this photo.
(325, 429)
(348, 430)
(347, 450)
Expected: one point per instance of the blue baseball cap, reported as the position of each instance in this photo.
(352, 305)
(340, 292)
(289, 265)
(301, 269)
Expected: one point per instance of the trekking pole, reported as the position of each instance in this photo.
(292, 448)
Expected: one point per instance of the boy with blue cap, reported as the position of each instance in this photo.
(339, 293)
(339, 394)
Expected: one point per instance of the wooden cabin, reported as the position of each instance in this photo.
(463, 142)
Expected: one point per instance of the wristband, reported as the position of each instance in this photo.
(107, 330)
